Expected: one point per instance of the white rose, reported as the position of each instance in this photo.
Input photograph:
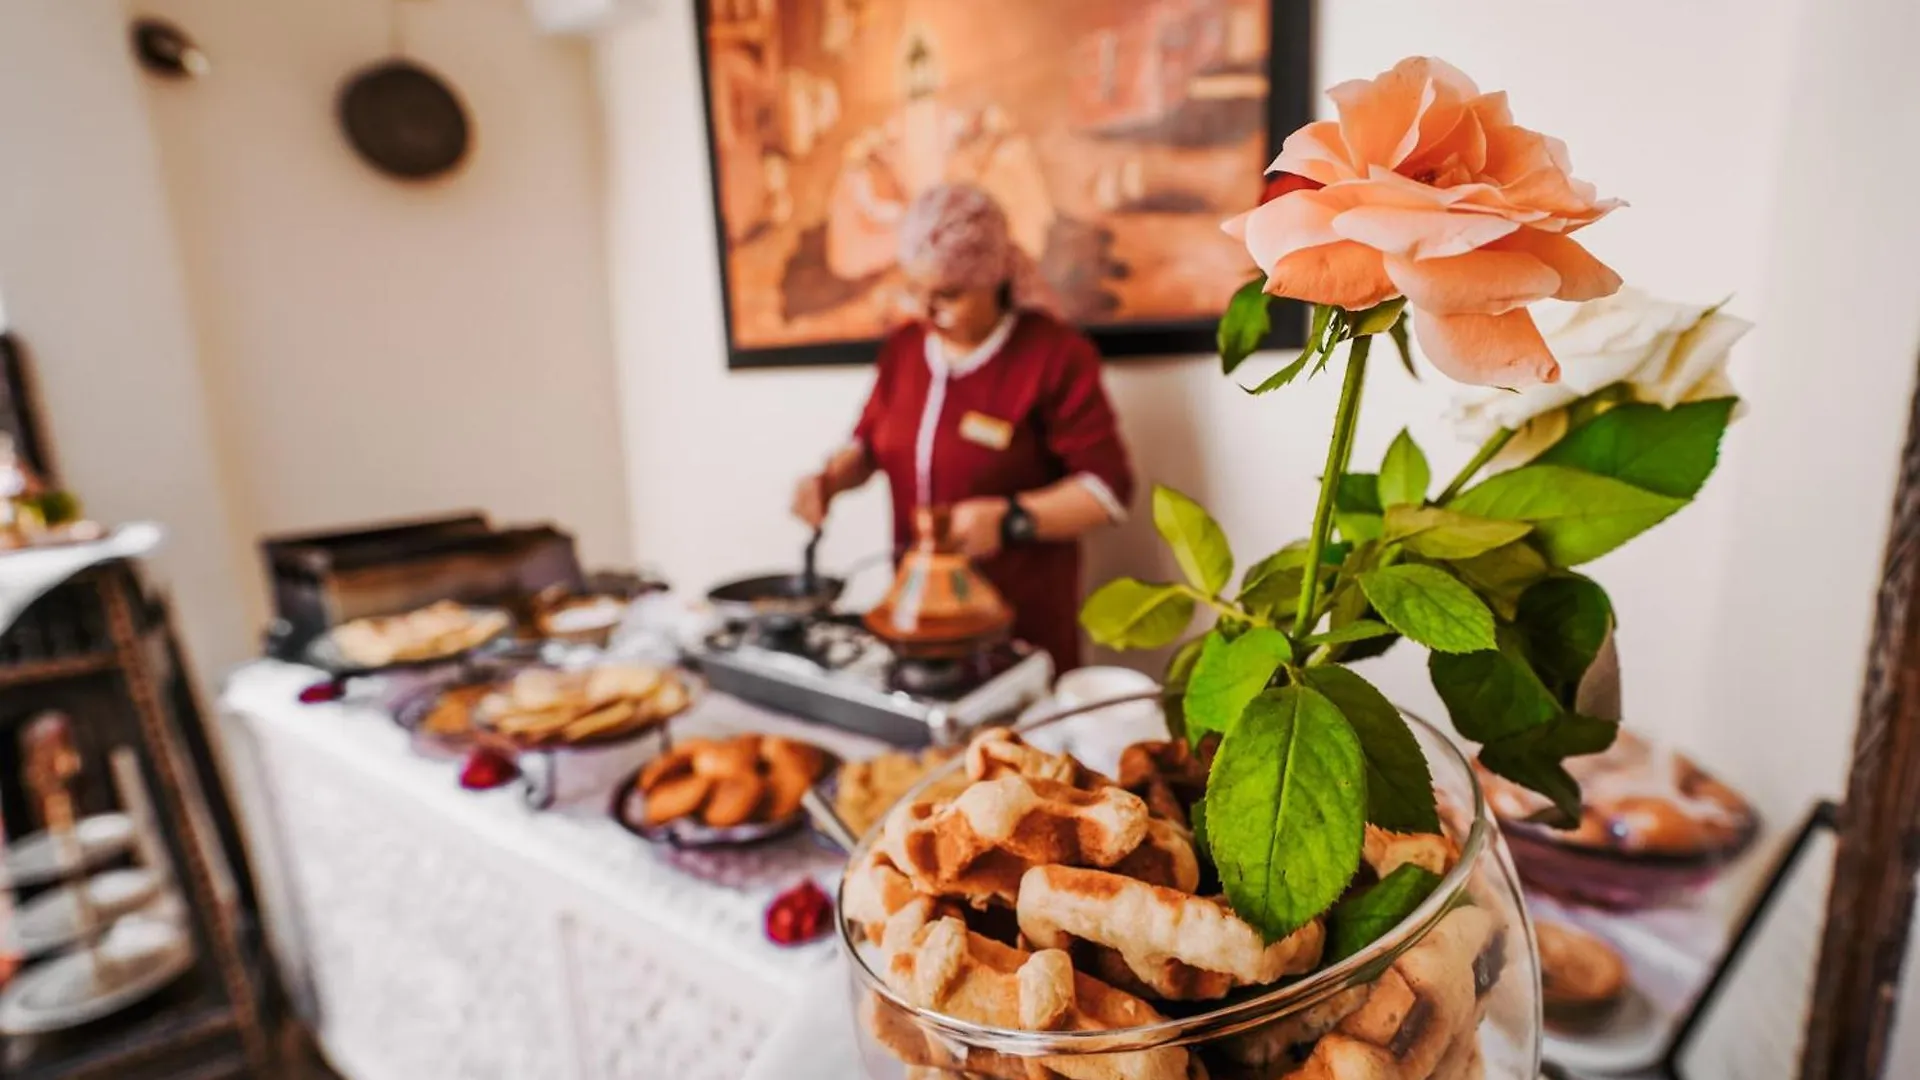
(1667, 353)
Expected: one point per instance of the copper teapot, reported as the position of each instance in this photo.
(939, 605)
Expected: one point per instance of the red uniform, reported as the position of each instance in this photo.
(1024, 411)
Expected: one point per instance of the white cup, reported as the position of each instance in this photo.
(1098, 737)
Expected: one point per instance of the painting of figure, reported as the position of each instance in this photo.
(1116, 135)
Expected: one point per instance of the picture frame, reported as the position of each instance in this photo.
(824, 117)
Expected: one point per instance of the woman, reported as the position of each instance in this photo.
(988, 404)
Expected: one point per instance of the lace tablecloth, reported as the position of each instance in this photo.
(435, 932)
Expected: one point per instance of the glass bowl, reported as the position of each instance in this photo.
(1463, 1001)
(1656, 828)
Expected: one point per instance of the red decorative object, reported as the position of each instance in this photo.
(487, 769)
(321, 692)
(798, 915)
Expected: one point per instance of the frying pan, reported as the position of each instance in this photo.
(775, 596)
(785, 599)
(403, 118)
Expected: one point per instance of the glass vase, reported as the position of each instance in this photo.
(1451, 993)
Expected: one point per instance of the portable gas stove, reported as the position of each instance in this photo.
(831, 669)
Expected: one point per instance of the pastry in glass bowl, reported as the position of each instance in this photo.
(1653, 824)
(1039, 919)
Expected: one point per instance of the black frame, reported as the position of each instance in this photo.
(1289, 106)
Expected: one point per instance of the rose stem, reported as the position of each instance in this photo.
(1494, 444)
(1338, 450)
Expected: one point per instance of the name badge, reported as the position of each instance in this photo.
(988, 431)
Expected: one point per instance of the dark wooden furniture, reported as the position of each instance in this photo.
(1870, 909)
(101, 649)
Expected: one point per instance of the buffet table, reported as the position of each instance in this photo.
(436, 932)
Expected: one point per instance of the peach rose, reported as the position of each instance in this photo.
(1426, 188)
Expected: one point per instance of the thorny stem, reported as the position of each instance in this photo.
(1338, 450)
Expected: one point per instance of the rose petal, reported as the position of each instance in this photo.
(1317, 152)
(1484, 282)
(1486, 350)
(1274, 230)
(1380, 117)
(1344, 274)
(1699, 357)
(1420, 233)
(1582, 277)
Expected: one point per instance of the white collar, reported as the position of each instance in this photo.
(972, 362)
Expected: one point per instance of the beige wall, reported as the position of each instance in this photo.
(377, 349)
(94, 289)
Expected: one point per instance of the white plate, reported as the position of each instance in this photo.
(1631, 1039)
(52, 919)
(148, 953)
(38, 858)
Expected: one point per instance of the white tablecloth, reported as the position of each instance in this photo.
(441, 933)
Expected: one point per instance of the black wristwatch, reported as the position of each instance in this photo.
(1018, 526)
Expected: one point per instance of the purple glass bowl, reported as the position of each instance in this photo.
(1616, 880)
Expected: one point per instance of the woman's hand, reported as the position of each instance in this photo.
(810, 499)
(974, 527)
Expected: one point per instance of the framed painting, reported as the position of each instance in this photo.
(1117, 136)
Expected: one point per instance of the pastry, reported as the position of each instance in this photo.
(747, 779)
(541, 706)
(1168, 775)
(946, 967)
(1032, 822)
(1582, 977)
(1100, 881)
(1150, 926)
(868, 789)
(438, 630)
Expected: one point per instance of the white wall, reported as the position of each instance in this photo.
(377, 349)
(93, 287)
(1681, 109)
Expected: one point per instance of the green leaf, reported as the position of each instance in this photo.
(1360, 630)
(1577, 516)
(1286, 807)
(1399, 786)
(1666, 451)
(1228, 676)
(1502, 575)
(1275, 593)
(1430, 606)
(1244, 326)
(1532, 758)
(1435, 532)
(1358, 493)
(1371, 913)
(1197, 821)
(1492, 694)
(1404, 475)
(1379, 318)
(1359, 528)
(1126, 613)
(1199, 544)
(1398, 331)
(1317, 329)
(1563, 621)
(1283, 376)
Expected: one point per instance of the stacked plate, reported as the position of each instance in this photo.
(83, 965)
